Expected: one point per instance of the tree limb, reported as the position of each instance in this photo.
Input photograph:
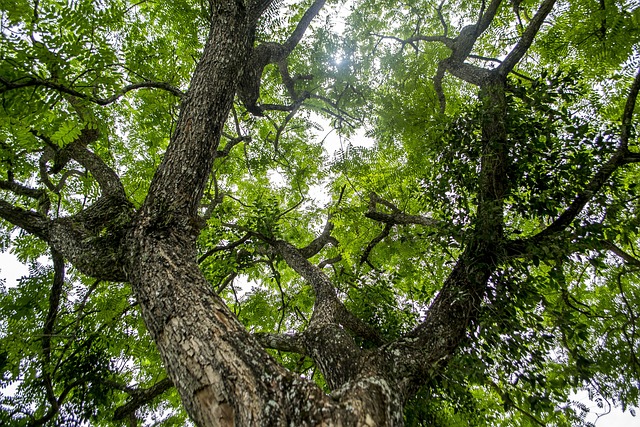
(293, 343)
(522, 247)
(36, 82)
(320, 242)
(30, 221)
(271, 53)
(628, 258)
(526, 40)
(141, 397)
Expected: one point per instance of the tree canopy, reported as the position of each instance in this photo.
(197, 253)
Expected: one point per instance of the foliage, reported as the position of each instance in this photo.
(562, 320)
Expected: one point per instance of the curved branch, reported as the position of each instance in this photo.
(141, 397)
(327, 308)
(271, 53)
(601, 177)
(319, 242)
(35, 82)
(372, 244)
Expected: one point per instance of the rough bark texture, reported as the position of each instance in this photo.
(222, 373)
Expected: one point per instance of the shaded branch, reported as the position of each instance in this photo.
(30, 221)
(293, 343)
(396, 217)
(141, 397)
(35, 82)
(330, 261)
(107, 179)
(226, 247)
(372, 244)
(47, 331)
(527, 38)
(628, 258)
(319, 242)
(232, 143)
(601, 177)
(629, 108)
(271, 53)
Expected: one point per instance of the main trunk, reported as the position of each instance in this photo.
(222, 374)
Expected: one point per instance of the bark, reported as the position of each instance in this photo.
(220, 370)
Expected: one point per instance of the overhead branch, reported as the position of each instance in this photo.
(107, 179)
(232, 142)
(30, 221)
(141, 397)
(21, 190)
(271, 53)
(327, 308)
(526, 40)
(600, 178)
(293, 343)
(626, 257)
(629, 108)
(330, 261)
(40, 195)
(48, 330)
(396, 217)
(7, 86)
(302, 26)
(411, 41)
(226, 247)
(372, 244)
(461, 48)
(320, 242)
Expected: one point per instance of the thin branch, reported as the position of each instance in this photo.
(232, 143)
(35, 82)
(601, 177)
(629, 259)
(226, 247)
(47, 331)
(329, 261)
(372, 244)
(142, 397)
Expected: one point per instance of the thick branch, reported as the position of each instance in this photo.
(319, 242)
(327, 308)
(30, 221)
(178, 184)
(629, 108)
(107, 179)
(283, 342)
(526, 40)
(271, 53)
(302, 26)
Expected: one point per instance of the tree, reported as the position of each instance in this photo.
(475, 265)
